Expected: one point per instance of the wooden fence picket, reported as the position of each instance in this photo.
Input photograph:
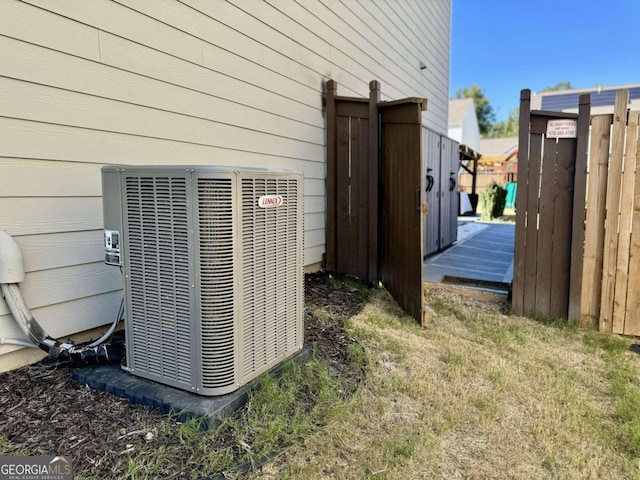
(624, 227)
(562, 230)
(544, 258)
(576, 252)
(613, 209)
(531, 238)
(632, 308)
(594, 228)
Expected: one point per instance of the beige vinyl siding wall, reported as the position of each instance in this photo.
(88, 83)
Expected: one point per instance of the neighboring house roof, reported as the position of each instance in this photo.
(494, 150)
(602, 98)
(458, 109)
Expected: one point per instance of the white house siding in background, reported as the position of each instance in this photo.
(463, 122)
(88, 83)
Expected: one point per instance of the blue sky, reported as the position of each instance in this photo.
(505, 46)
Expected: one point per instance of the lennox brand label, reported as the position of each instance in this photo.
(270, 201)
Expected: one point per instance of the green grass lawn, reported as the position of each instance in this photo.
(478, 394)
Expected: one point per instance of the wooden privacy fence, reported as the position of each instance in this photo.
(577, 251)
(549, 210)
(611, 275)
(374, 184)
(353, 175)
(385, 172)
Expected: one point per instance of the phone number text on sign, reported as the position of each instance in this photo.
(561, 129)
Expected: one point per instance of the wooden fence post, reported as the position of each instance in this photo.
(374, 178)
(332, 90)
(521, 203)
(579, 208)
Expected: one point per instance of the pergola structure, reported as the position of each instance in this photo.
(469, 161)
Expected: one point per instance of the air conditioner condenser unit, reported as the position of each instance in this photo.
(212, 260)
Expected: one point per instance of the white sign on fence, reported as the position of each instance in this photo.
(562, 128)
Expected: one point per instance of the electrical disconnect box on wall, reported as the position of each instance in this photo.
(212, 259)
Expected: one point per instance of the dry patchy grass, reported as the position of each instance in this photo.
(478, 394)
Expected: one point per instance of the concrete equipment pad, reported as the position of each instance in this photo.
(184, 405)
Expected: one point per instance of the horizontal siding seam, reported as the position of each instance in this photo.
(329, 60)
(364, 38)
(255, 40)
(334, 46)
(42, 9)
(43, 159)
(443, 15)
(55, 160)
(173, 112)
(95, 262)
(183, 59)
(309, 105)
(413, 51)
(72, 299)
(212, 44)
(422, 42)
(115, 132)
(77, 197)
(43, 234)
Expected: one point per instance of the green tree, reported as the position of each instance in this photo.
(558, 86)
(484, 110)
(508, 127)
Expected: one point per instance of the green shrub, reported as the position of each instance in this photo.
(492, 202)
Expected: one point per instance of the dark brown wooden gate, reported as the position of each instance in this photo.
(549, 222)
(352, 183)
(374, 185)
(401, 200)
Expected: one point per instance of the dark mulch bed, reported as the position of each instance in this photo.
(46, 412)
